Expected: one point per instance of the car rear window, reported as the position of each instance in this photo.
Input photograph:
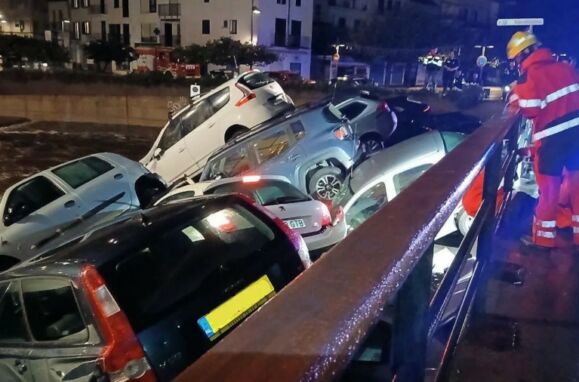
(255, 80)
(205, 257)
(82, 171)
(265, 192)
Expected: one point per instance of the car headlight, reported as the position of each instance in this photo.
(507, 89)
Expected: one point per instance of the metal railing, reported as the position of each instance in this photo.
(169, 10)
(313, 328)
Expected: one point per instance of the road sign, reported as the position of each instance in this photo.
(519, 22)
(481, 61)
(194, 91)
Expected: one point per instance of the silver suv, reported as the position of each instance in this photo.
(313, 147)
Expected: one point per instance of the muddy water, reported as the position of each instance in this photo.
(29, 148)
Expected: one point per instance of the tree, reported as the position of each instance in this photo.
(15, 49)
(105, 52)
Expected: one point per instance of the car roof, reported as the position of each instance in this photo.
(392, 157)
(271, 123)
(102, 245)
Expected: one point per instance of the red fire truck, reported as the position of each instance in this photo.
(160, 59)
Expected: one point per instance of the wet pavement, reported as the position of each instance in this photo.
(31, 147)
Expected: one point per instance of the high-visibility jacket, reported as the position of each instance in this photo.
(547, 93)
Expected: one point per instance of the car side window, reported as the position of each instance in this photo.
(52, 310)
(271, 145)
(12, 324)
(353, 110)
(406, 178)
(298, 130)
(232, 163)
(30, 197)
(171, 135)
(367, 205)
(82, 171)
(179, 196)
(204, 110)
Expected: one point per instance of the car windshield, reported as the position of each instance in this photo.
(185, 261)
(451, 140)
(265, 192)
(255, 80)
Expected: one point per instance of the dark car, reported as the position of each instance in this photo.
(408, 110)
(455, 122)
(143, 298)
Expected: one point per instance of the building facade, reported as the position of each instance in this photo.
(27, 18)
(284, 26)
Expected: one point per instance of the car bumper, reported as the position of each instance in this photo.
(326, 238)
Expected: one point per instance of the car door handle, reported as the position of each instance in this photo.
(20, 366)
(294, 157)
(119, 176)
(69, 204)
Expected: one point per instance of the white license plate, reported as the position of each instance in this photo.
(296, 223)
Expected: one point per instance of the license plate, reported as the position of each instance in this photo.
(238, 307)
(296, 223)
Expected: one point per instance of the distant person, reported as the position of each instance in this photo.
(433, 62)
(458, 81)
(451, 66)
(475, 79)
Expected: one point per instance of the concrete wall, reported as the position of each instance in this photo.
(124, 110)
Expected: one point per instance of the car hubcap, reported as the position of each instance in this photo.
(371, 145)
(328, 186)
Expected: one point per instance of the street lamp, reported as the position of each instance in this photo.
(254, 11)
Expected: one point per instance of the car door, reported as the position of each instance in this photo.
(365, 204)
(171, 157)
(64, 339)
(14, 337)
(202, 129)
(33, 210)
(102, 186)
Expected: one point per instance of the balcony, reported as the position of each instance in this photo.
(169, 11)
(292, 41)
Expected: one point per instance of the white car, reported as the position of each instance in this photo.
(77, 194)
(311, 218)
(187, 140)
(385, 174)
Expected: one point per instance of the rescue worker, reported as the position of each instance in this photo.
(547, 92)
(433, 62)
(451, 66)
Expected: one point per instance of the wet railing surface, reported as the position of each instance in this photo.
(311, 330)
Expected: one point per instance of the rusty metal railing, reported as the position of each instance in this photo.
(312, 329)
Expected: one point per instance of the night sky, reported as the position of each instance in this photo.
(561, 29)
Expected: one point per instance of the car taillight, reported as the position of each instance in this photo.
(326, 217)
(341, 132)
(382, 107)
(122, 358)
(251, 179)
(245, 99)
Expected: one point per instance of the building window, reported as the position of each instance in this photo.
(296, 34)
(225, 24)
(298, 3)
(60, 15)
(86, 27)
(233, 27)
(205, 1)
(280, 32)
(281, 1)
(390, 4)
(331, 2)
(381, 7)
(76, 3)
(116, 3)
(85, 3)
(76, 30)
(342, 22)
(205, 27)
(474, 16)
(397, 5)
(357, 24)
(125, 8)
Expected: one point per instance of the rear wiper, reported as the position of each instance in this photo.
(287, 199)
(87, 215)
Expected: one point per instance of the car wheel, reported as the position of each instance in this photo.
(325, 183)
(234, 133)
(371, 144)
(7, 262)
(464, 222)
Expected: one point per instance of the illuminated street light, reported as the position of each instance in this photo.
(66, 21)
(255, 10)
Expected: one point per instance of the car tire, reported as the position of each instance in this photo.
(7, 262)
(235, 132)
(325, 183)
(371, 143)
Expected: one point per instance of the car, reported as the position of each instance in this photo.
(373, 120)
(385, 174)
(189, 137)
(313, 147)
(83, 191)
(142, 299)
(408, 110)
(454, 121)
(310, 218)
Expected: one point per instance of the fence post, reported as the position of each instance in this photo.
(410, 327)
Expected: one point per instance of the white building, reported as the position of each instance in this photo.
(27, 18)
(284, 26)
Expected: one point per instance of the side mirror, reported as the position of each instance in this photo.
(157, 153)
(15, 213)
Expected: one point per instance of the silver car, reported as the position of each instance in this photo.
(310, 218)
(312, 147)
(72, 196)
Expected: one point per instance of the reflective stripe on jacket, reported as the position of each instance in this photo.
(548, 93)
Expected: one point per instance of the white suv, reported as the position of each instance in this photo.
(231, 109)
